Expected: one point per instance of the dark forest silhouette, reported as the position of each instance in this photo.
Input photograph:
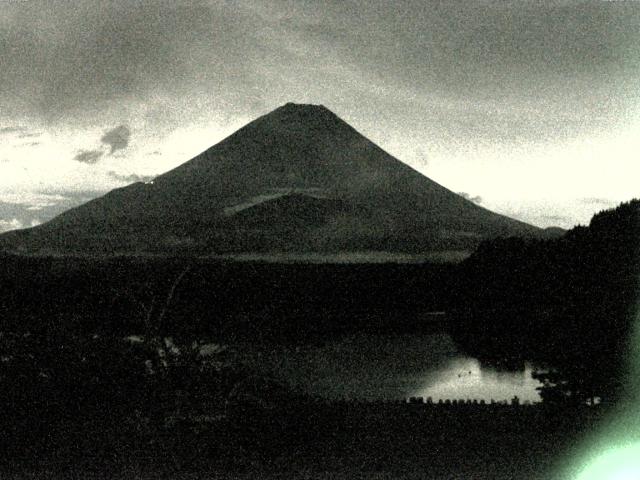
(566, 303)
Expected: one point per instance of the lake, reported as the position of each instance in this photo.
(371, 367)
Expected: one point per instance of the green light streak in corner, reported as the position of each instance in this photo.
(615, 452)
(618, 464)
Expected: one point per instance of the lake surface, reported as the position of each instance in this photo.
(388, 367)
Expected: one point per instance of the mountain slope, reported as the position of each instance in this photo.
(296, 179)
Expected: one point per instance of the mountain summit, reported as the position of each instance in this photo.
(297, 180)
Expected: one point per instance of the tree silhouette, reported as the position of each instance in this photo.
(565, 303)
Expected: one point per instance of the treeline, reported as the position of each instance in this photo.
(121, 295)
(567, 304)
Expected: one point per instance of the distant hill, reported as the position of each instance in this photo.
(553, 232)
(298, 179)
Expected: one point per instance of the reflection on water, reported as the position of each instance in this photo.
(387, 367)
(465, 378)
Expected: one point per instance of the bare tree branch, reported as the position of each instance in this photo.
(169, 298)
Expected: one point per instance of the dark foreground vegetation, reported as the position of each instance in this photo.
(195, 297)
(106, 407)
(121, 366)
(262, 430)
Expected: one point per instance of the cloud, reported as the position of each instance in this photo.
(117, 138)
(21, 133)
(87, 50)
(131, 178)
(16, 224)
(560, 219)
(13, 224)
(243, 56)
(31, 209)
(31, 198)
(6, 130)
(474, 199)
(88, 156)
(597, 201)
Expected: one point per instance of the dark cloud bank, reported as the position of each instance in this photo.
(570, 64)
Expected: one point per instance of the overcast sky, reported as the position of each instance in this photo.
(530, 108)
